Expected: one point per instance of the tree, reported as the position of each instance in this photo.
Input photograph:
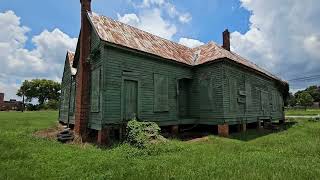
(41, 89)
(305, 99)
(314, 91)
(292, 101)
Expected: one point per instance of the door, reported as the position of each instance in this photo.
(183, 92)
(130, 99)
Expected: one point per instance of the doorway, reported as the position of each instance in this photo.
(183, 91)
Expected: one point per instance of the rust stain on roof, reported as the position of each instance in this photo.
(122, 34)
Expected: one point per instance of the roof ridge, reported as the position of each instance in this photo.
(119, 33)
(141, 30)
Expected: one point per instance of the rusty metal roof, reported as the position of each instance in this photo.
(125, 35)
(70, 58)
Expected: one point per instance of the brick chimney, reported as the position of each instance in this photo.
(83, 73)
(226, 39)
(1, 98)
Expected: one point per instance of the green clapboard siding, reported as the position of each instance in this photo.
(255, 96)
(64, 114)
(126, 84)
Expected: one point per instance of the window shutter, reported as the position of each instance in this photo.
(161, 99)
(72, 96)
(233, 94)
(95, 90)
(248, 96)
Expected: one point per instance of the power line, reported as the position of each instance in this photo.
(306, 78)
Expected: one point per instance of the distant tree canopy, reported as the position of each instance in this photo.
(305, 97)
(41, 89)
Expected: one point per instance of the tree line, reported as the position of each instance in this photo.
(46, 92)
(305, 97)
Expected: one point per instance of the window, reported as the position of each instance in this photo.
(72, 96)
(206, 94)
(95, 90)
(248, 95)
(161, 97)
(233, 94)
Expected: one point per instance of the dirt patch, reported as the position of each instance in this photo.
(201, 139)
(50, 133)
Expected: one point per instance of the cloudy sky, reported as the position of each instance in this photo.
(282, 36)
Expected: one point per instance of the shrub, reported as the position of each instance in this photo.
(142, 134)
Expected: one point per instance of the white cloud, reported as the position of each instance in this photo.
(192, 43)
(150, 21)
(166, 6)
(185, 18)
(131, 19)
(17, 63)
(283, 37)
(148, 3)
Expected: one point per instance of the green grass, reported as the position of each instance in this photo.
(291, 154)
(302, 112)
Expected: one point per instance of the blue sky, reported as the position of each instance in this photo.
(209, 18)
(285, 41)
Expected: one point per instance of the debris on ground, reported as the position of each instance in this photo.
(65, 135)
(58, 132)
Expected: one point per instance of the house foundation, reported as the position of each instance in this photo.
(175, 130)
(242, 127)
(258, 124)
(103, 137)
(223, 130)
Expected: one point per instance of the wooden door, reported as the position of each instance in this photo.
(183, 98)
(130, 99)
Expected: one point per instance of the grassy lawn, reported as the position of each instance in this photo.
(291, 154)
(302, 112)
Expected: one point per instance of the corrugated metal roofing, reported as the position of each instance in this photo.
(122, 34)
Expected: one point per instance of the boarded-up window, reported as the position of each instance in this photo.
(248, 95)
(161, 97)
(264, 96)
(206, 94)
(65, 100)
(95, 90)
(233, 94)
(72, 96)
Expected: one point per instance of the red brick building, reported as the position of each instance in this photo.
(12, 104)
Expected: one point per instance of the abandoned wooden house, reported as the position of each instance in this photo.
(66, 110)
(124, 73)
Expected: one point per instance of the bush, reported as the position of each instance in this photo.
(142, 134)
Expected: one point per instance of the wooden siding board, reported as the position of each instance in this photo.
(119, 61)
(96, 63)
(251, 109)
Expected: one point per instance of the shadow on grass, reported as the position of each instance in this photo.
(201, 132)
(252, 134)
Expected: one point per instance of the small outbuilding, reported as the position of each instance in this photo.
(124, 73)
